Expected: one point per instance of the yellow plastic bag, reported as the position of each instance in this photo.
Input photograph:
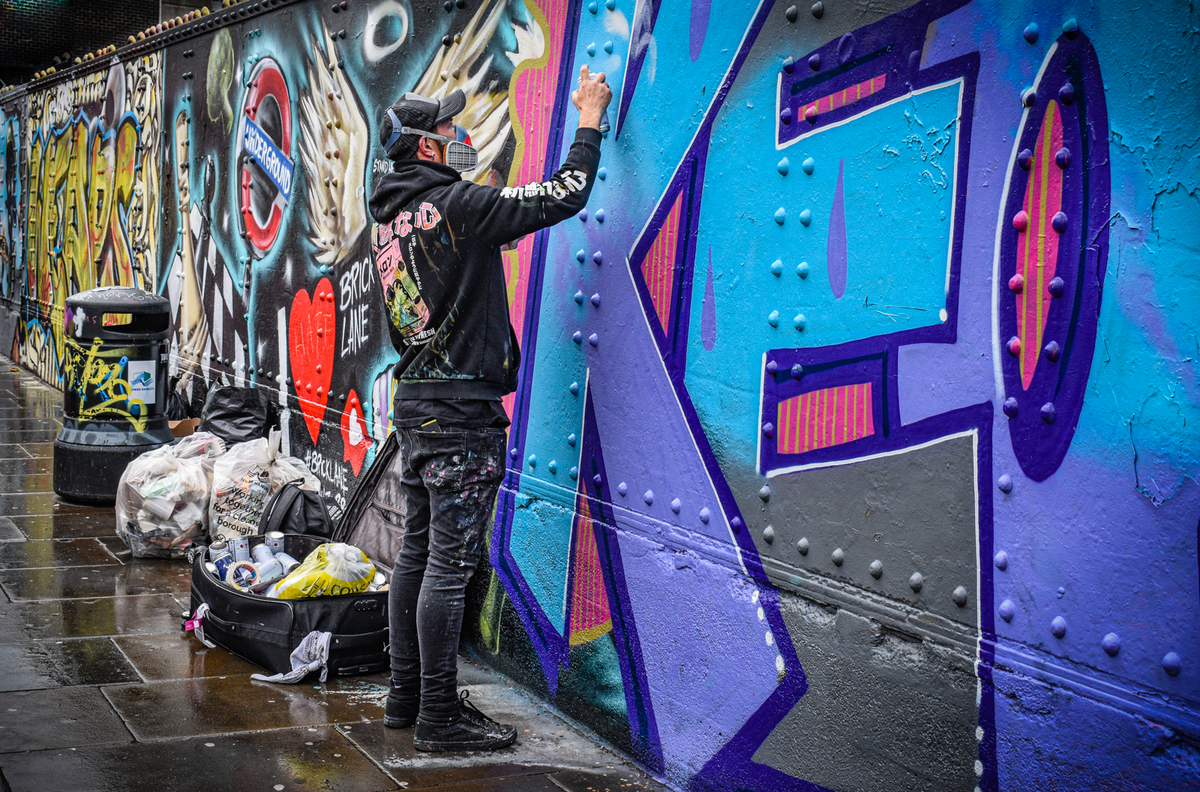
(333, 568)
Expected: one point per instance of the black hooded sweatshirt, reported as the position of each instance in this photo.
(436, 243)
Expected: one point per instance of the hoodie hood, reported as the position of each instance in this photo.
(409, 179)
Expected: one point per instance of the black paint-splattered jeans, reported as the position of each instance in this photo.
(450, 480)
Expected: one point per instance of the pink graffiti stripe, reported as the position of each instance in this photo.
(532, 108)
(1037, 245)
(846, 96)
(824, 418)
(590, 615)
(658, 268)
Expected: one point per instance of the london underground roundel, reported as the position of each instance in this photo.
(265, 167)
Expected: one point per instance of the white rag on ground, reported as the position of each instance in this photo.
(311, 654)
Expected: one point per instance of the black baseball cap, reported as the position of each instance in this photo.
(416, 112)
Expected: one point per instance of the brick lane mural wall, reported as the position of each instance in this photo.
(855, 442)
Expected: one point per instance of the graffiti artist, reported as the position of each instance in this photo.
(437, 241)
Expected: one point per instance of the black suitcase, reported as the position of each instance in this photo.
(266, 631)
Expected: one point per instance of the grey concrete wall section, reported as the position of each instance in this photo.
(914, 512)
(883, 711)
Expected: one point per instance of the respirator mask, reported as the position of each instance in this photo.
(460, 156)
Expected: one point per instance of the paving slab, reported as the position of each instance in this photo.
(107, 616)
(284, 761)
(544, 742)
(9, 532)
(34, 720)
(33, 665)
(96, 522)
(55, 553)
(228, 704)
(16, 504)
(134, 579)
(177, 655)
(26, 465)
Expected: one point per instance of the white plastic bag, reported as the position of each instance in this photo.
(244, 480)
(162, 498)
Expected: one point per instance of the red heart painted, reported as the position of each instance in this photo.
(355, 437)
(310, 335)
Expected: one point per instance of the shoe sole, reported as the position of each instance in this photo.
(399, 723)
(431, 746)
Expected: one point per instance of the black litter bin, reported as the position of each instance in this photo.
(114, 389)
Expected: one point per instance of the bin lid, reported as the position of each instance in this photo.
(120, 299)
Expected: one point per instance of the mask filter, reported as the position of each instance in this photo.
(461, 157)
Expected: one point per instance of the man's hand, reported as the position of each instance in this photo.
(591, 98)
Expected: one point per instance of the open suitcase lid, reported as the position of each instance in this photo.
(372, 519)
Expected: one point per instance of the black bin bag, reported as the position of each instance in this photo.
(238, 414)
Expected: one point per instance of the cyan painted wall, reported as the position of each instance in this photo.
(855, 444)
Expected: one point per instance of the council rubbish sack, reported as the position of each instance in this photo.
(243, 481)
(333, 568)
(163, 497)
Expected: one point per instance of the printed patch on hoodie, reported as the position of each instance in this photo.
(406, 309)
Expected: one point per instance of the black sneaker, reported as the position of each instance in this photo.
(399, 712)
(473, 731)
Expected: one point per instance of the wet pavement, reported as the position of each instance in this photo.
(102, 691)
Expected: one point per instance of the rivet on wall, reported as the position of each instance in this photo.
(591, 48)
(1025, 159)
(580, 256)
(1000, 560)
(532, 460)
(1029, 97)
(594, 339)
(602, 174)
(599, 215)
(802, 546)
(577, 337)
(1005, 483)
(583, 215)
(1055, 286)
(597, 480)
(789, 65)
(571, 440)
(818, 9)
(780, 215)
(1052, 351)
(705, 515)
(802, 269)
(916, 581)
(574, 388)
(676, 505)
(776, 268)
(764, 493)
(768, 429)
(876, 569)
(768, 534)
(579, 297)
(1111, 644)
(814, 61)
(799, 322)
(552, 466)
(797, 371)
(785, 115)
(1066, 94)
(838, 556)
(1058, 627)
(809, 165)
(598, 257)
(959, 595)
(648, 496)
(622, 489)
(1007, 610)
(573, 473)
(608, 47)
(736, 524)
(773, 319)
(1063, 158)
(1014, 346)
(611, 5)
(1070, 28)
(1031, 32)
(1172, 663)
(805, 218)
(513, 453)
(791, 14)
(1016, 283)
(592, 7)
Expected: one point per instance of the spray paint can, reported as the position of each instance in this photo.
(288, 562)
(269, 571)
(242, 575)
(274, 540)
(211, 569)
(261, 553)
(380, 580)
(220, 557)
(240, 546)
